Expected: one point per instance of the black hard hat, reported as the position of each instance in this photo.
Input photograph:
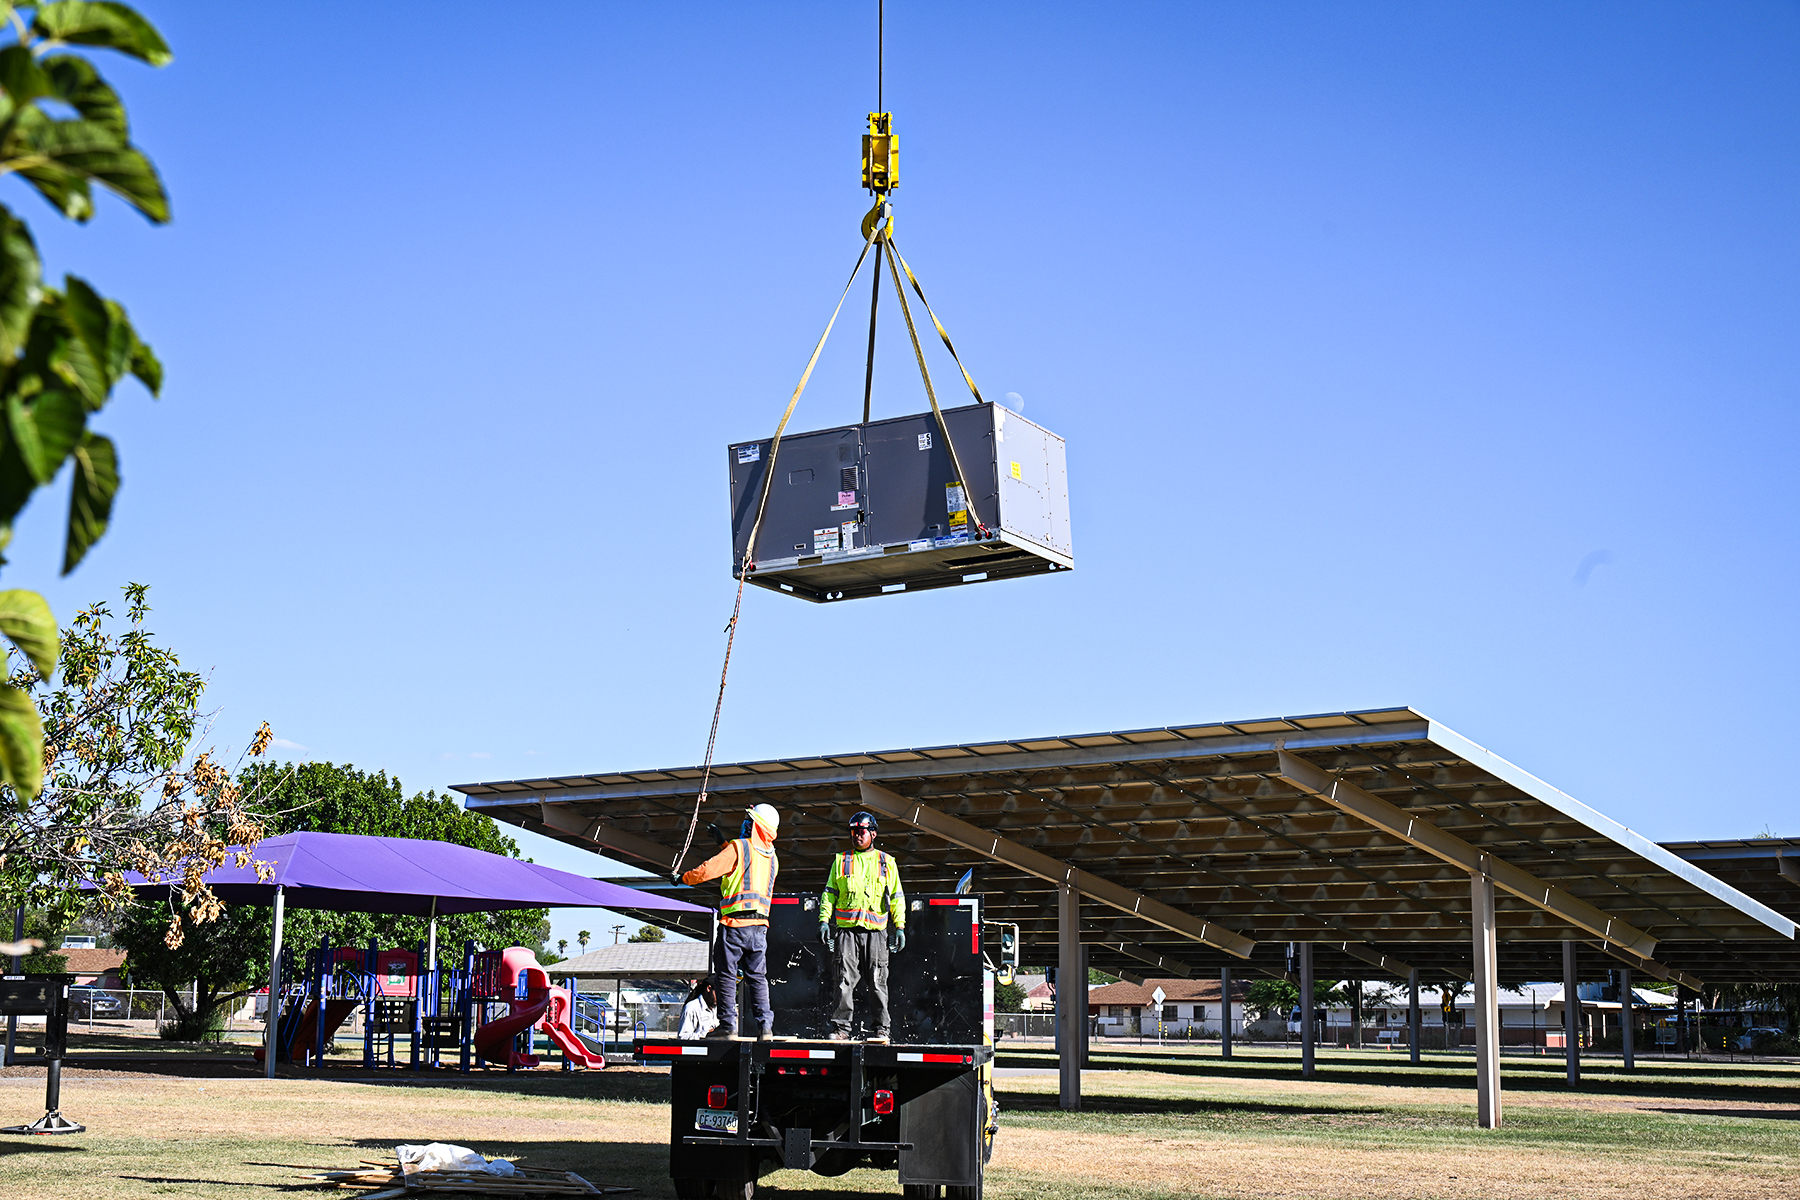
(865, 818)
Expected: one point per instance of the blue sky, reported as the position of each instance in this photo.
(1439, 355)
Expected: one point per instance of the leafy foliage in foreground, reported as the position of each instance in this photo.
(62, 351)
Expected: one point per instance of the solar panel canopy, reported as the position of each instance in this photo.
(1202, 846)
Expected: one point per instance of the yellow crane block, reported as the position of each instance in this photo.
(881, 154)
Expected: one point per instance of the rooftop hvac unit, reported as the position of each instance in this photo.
(861, 510)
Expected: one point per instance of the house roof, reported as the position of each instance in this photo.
(1175, 991)
(92, 962)
(636, 960)
(1354, 831)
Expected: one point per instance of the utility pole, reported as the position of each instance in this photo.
(618, 931)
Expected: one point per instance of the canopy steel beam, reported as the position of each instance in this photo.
(1168, 966)
(557, 818)
(973, 837)
(1649, 966)
(1429, 838)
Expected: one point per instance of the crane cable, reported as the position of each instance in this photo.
(749, 561)
(876, 228)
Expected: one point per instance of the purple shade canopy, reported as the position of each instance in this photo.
(345, 872)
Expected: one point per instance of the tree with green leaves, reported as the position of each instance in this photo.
(62, 350)
(230, 955)
(1009, 997)
(222, 960)
(647, 933)
(122, 788)
(329, 798)
(1278, 997)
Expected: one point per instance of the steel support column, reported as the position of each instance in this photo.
(1087, 1024)
(1309, 1029)
(1571, 1014)
(1627, 1019)
(1224, 1012)
(1486, 1001)
(1413, 1019)
(1071, 996)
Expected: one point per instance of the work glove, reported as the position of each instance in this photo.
(824, 933)
(896, 940)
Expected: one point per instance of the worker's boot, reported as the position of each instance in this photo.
(766, 1034)
(840, 1035)
(879, 1038)
(722, 1033)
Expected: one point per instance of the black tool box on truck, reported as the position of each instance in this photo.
(921, 1105)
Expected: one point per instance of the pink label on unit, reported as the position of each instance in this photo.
(846, 497)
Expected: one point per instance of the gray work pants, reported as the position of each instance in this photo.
(861, 954)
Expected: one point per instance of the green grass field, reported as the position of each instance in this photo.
(1153, 1124)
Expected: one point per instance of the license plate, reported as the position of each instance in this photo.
(719, 1120)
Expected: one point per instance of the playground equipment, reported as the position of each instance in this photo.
(533, 1002)
(417, 1013)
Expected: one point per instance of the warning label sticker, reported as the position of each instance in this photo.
(825, 539)
(749, 454)
(958, 507)
(847, 535)
(1016, 473)
(845, 500)
(924, 441)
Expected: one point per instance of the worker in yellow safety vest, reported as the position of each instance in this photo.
(862, 918)
(746, 870)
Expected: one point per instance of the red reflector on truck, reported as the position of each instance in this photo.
(785, 900)
(933, 1058)
(884, 1102)
(715, 1096)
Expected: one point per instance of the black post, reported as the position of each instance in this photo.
(1224, 1012)
(12, 1022)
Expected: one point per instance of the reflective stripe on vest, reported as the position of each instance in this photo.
(749, 889)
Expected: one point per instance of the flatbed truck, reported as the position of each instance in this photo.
(921, 1105)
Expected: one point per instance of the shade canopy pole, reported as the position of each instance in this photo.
(431, 936)
(274, 1011)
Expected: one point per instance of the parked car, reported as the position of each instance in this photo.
(1748, 1039)
(92, 1004)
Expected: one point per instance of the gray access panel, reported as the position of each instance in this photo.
(864, 510)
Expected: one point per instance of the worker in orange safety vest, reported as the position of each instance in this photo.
(746, 870)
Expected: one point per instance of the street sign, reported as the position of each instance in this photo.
(1158, 995)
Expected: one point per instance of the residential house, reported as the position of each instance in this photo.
(1190, 1007)
(95, 967)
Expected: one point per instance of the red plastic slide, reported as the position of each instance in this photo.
(556, 1025)
(494, 1041)
(306, 1034)
(544, 1006)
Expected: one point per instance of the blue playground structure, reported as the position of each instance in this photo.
(417, 1013)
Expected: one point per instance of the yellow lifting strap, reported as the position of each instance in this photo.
(942, 332)
(962, 480)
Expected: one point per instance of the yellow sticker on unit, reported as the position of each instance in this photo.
(1017, 474)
